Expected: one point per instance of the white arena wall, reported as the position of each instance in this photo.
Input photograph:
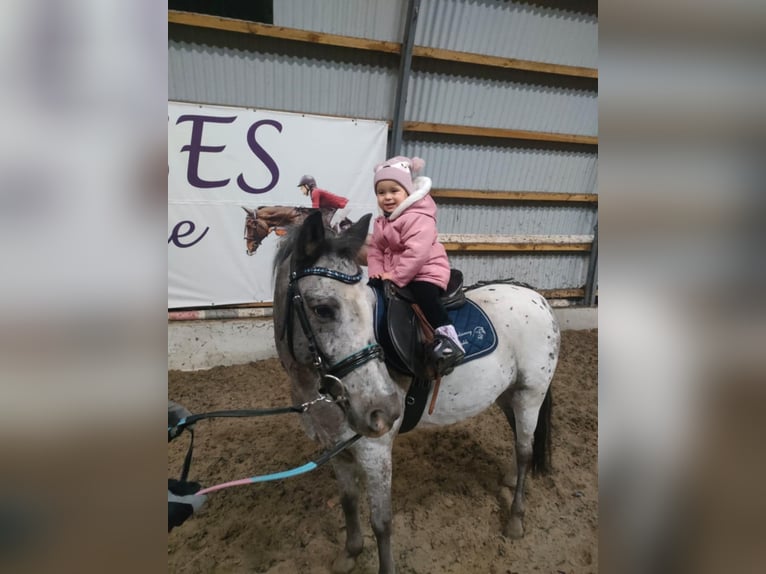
(204, 344)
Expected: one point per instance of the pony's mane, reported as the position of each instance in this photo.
(342, 245)
(286, 246)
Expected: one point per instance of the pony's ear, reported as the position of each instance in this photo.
(310, 242)
(248, 211)
(356, 237)
(357, 233)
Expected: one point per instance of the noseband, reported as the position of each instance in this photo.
(330, 374)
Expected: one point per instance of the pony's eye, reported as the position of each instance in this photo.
(324, 312)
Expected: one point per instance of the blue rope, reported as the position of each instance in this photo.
(309, 466)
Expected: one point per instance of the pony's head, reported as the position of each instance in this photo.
(323, 315)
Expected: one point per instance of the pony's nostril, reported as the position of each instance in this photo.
(377, 421)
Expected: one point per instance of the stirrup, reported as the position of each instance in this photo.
(444, 355)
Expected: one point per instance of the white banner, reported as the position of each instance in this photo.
(221, 160)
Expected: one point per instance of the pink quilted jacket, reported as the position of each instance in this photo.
(405, 244)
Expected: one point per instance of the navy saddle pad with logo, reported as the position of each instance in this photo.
(475, 330)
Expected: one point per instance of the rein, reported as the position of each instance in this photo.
(187, 423)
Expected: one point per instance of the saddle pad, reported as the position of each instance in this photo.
(475, 330)
(477, 335)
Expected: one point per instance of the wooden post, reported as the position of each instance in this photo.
(405, 65)
(590, 282)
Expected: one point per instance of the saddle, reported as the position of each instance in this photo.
(400, 332)
(406, 330)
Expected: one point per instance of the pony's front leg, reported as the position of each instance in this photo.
(345, 472)
(375, 458)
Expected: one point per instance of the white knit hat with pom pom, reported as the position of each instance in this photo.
(399, 169)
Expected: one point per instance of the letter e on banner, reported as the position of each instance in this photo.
(179, 233)
(195, 148)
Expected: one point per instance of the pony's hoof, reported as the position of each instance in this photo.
(343, 564)
(514, 529)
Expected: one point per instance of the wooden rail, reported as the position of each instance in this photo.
(500, 62)
(516, 247)
(452, 129)
(461, 243)
(483, 195)
(268, 30)
(562, 293)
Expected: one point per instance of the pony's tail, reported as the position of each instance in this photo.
(541, 451)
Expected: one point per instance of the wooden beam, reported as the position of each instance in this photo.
(469, 242)
(517, 247)
(258, 29)
(268, 30)
(484, 195)
(498, 133)
(562, 293)
(500, 62)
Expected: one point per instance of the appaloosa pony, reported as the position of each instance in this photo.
(323, 319)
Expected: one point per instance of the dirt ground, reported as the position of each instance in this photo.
(449, 500)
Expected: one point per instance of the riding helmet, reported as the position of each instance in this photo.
(309, 181)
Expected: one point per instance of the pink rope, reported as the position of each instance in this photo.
(239, 482)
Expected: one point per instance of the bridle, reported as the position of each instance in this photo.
(251, 234)
(330, 374)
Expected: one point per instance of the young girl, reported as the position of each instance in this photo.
(404, 249)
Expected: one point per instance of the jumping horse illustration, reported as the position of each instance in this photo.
(324, 320)
(264, 220)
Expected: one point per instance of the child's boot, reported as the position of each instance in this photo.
(446, 350)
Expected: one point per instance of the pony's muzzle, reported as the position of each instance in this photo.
(381, 419)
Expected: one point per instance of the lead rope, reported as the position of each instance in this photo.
(187, 423)
(309, 466)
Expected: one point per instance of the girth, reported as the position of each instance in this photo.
(400, 332)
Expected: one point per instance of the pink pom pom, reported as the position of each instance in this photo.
(417, 164)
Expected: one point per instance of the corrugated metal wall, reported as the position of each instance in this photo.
(510, 29)
(541, 270)
(495, 165)
(226, 68)
(375, 19)
(449, 93)
(218, 67)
